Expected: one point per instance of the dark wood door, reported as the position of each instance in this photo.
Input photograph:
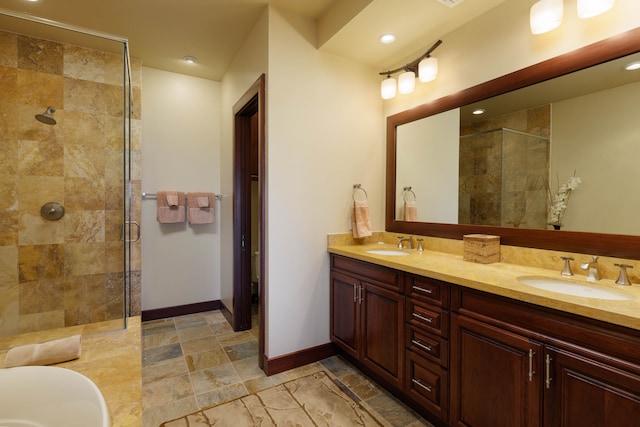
(382, 331)
(582, 392)
(495, 377)
(345, 312)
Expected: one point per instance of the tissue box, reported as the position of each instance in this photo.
(481, 248)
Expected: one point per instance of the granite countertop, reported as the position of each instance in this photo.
(501, 279)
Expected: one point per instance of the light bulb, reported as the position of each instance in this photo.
(428, 69)
(406, 82)
(388, 88)
(591, 8)
(545, 15)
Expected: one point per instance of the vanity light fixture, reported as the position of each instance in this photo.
(591, 8)
(478, 111)
(190, 59)
(425, 66)
(545, 15)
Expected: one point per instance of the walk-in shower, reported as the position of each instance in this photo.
(502, 180)
(83, 267)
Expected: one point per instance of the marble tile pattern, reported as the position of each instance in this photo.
(65, 272)
(501, 172)
(198, 372)
(110, 358)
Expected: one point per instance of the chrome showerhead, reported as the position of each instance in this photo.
(46, 116)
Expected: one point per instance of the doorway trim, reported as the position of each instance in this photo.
(242, 258)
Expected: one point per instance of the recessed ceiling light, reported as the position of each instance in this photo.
(387, 38)
(632, 66)
(190, 59)
(478, 111)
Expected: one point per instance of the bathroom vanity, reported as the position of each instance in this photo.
(469, 345)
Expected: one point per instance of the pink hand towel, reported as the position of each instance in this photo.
(171, 208)
(360, 222)
(410, 211)
(201, 208)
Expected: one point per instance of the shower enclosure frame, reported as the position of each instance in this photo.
(130, 229)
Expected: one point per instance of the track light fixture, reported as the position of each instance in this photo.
(425, 66)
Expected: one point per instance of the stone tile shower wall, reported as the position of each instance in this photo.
(502, 174)
(66, 272)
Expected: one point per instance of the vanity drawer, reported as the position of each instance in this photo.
(381, 275)
(429, 346)
(429, 290)
(427, 384)
(428, 317)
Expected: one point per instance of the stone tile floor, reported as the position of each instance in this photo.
(196, 361)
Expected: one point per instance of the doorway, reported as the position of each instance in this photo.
(248, 211)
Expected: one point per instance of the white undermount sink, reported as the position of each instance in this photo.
(48, 396)
(389, 252)
(571, 288)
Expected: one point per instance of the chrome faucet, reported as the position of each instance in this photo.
(402, 239)
(420, 248)
(592, 267)
(566, 271)
(623, 279)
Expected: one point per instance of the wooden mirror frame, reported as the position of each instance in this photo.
(614, 245)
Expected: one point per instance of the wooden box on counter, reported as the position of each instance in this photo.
(481, 248)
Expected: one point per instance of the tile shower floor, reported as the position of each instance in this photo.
(197, 361)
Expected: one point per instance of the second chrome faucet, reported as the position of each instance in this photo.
(591, 267)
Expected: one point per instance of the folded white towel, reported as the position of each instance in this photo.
(46, 353)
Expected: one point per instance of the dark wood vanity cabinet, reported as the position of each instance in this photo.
(367, 316)
(427, 344)
(520, 365)
(467, 358)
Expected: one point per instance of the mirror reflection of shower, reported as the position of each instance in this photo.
(46, 116)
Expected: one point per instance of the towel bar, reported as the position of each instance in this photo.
(153, 196)
(406, 192)
(357, 187)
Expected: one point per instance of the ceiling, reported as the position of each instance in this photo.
(162, 32)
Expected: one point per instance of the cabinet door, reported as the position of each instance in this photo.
(383, 332)
(495, 376)
(582, 392)
(345, 312)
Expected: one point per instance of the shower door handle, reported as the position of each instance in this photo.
(123, 232)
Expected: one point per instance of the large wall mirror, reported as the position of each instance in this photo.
(576, 114)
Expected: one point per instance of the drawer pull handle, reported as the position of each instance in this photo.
(531, 371)
(426, 387)
(418, 288)
(422, 346)
(421, 317)
(547, 380)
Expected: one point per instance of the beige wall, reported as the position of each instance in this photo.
(598, 136)
(429, 148)
(181, 151)
(250, 62)
(500, 42)
(325, 133)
